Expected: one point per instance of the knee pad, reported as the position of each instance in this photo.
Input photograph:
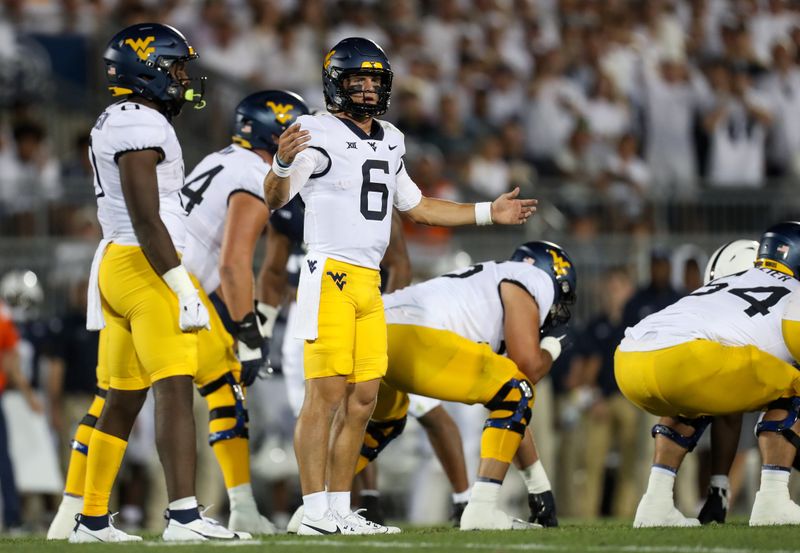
(520, 409)
(783, 427)
(688, 442)
(379, 434)
(89, 420)
(237, 411)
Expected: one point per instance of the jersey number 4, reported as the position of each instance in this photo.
(195, 196)
(760, 298)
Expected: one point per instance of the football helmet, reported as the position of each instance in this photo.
(356, 56)
(22, 293)
(733, 257)
(139, 59)
(779, 248)
(556, 263)
(265, 114)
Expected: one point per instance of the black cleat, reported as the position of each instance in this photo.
(716, 506)
(373, 512)
(543, 509)
(458, 510)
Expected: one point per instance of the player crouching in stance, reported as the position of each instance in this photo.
(447, 337)
(720, 351)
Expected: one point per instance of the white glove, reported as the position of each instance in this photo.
(267, 315)
(193, 314)
(552, 345)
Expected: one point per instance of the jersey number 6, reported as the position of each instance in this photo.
(368, 185)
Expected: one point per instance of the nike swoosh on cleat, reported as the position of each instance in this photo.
(206, 536)
(322, 530)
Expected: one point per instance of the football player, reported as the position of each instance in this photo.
(276, 282)
(149, 307)
(347, 166)
(447, 337)
(720, 351)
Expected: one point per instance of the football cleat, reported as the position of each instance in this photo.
(372, 509)
(362, 526)
(248, 519)
(64, 521)
(293, 526)
(716, 506)
(486, 516)
(108, 534)
(458, 510)
(327, 525)
(656, 511)
(774, 509)
(543, 509)
(200, 529)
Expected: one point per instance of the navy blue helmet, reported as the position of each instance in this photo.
(264, 114)
(779, 248)
(356, 56)
(556, 263)
(139, 60)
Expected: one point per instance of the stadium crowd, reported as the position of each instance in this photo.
(607, 107)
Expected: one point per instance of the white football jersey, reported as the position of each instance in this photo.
(124, 127)
(468, 302)
(206, 194)
(357, 179)
(738, 310)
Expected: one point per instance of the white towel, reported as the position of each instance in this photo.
(308, 291)
(94, 307)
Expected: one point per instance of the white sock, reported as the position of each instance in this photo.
(461, 497)
(339, 502)
(774, 480)
(536, 478)
(183, 504)
(720, 481)
(485, 492)
(662, 480)
(315, 505)
(241, 496)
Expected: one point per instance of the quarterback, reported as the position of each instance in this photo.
(348, 168)
(140, 294)
(719, 351)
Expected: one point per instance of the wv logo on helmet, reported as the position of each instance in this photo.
(141, 46)
(338, 279)
(281, 111)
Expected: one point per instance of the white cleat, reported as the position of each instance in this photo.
(294, 523)
(361, 526)
(486, 516)
(327, 525)
(199, 529)
(774, 509)
(64, 522)
(655, 511)
(248, 519)
(109, 534)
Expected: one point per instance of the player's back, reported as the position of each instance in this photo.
(468, 302)
(206, 194)
(127, 127)
(349, 203)
(737, 310)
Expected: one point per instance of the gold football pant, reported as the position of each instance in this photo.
(443, 365)
(702, 377)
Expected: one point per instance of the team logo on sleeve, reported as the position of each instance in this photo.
(338, 279)
(142, 46)
(560, 265)
(281, 111)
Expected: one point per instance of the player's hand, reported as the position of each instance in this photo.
(291, 142)
(194, 315)
(249, 351)
(508, 210)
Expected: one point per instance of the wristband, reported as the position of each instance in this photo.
(552, 346)
(268, 316)
(281, 168)
(179, 281)
(483, 213)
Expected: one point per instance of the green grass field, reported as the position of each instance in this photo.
(593, 538)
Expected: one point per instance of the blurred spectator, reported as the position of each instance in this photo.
(506, 95)
(737, 123)
(611, 419)
(9, 370)
(782, 87)
(768, 25)
(489, 174)
(657, 294)
(627, 185)
(608, 116)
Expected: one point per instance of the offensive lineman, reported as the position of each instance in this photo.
(347, 166)
(139, 292)
(718, 351)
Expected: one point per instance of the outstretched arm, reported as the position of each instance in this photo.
(507, 209)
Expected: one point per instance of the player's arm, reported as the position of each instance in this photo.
(10, 361)
(521, 328)
(289, 171)
(137, 170)
(272, 277)
(395, 260)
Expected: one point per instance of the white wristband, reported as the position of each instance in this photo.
(271, 314)
(179, 282)
(552, 346)
(281, 171)
(483, 213)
